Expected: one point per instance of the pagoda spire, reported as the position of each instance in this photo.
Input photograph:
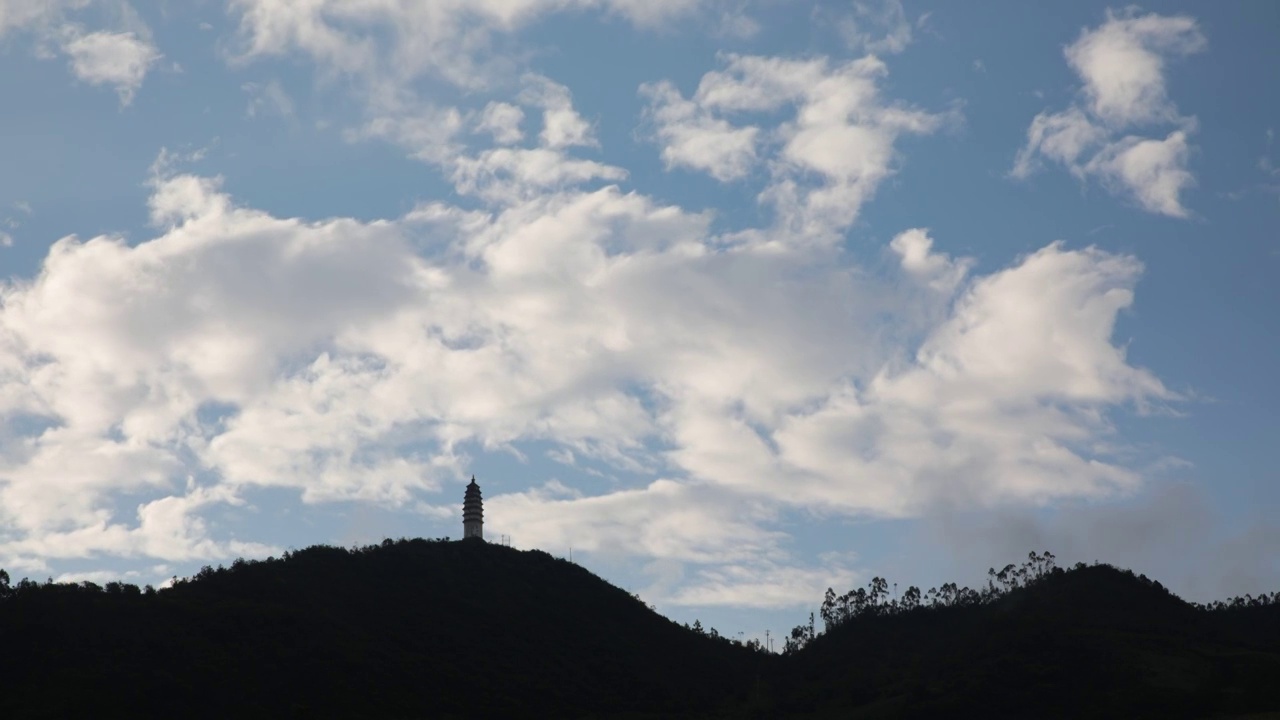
(473, 512)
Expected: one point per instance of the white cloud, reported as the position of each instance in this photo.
(152, 352)
(761, 585)
(505, 174)
(823, 164)
(940, 272)
(390, 43)
(429, 133)
(829, 158)
(387, 50)
(167, 529)
(510, 174)
(120, 56)
(1065, 137)
(100, 577)
(110, 58)
(562, 127)
(878, 27)
(502, 120)
(1122, 65)
(692, 138)
(1153, 170)
(666, 519)
(21, 14)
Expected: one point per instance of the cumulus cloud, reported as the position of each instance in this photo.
(1122, 66)
(120, 57)
(117, 415)
(108, 58)
(826, 161)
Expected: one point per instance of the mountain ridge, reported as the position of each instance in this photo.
(422, 628)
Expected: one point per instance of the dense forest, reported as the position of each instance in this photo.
(422, 628)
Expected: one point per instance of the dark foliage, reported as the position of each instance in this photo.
(465, 629)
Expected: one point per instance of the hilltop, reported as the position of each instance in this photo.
(418, 628)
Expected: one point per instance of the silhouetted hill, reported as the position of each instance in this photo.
(406, 629)
(1090, 642)
(418, 629)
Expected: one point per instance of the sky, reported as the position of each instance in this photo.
(734, 300)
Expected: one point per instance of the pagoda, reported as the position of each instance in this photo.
(473, 512)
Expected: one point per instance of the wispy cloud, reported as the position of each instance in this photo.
(878, 27)
(269, 98)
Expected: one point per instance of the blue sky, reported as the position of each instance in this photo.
(738, 298)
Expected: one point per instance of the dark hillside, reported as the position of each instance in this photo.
(423, 629)
(1090, 642)
(406, 629)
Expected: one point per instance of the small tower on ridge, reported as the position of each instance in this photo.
(472, 512)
